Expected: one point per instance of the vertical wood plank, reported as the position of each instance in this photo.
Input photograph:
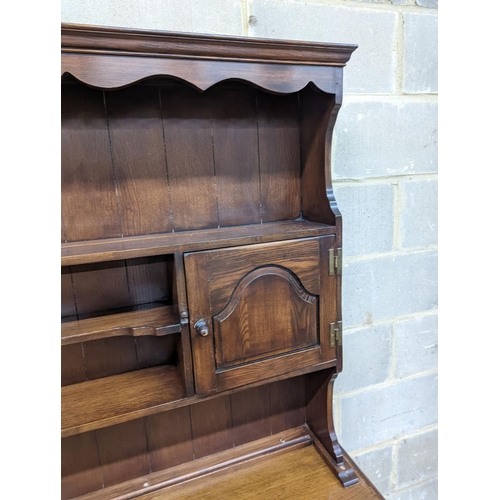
(72, 365)
(234, 118)
(328, 300)
(279, 156)
(184, 345)
(251, 414)
(188, 142)
(199, 304)
(135, 128)
(111, 356)
(89, 202)
(67, 298)
(99, 287)
(148, 280)
(123, 452)
(169, 438)
(156, 351)
(80, 468)
(212, 426)
(288, 399)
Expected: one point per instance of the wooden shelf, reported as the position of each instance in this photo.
(283, 466)
(158, 321)
(112, 400)
(86, 252)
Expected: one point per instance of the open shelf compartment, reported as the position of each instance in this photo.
(278, 467)
(111, 400)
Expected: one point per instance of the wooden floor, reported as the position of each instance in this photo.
(298, 474)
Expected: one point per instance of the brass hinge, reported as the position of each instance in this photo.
(336, 334)
(335, 261)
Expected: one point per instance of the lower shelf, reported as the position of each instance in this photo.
(284, 466)
(111, 400)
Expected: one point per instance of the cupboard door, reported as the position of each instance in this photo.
(260, 311)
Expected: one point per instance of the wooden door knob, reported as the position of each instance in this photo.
(201, 327)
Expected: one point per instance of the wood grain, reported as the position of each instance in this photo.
(298, 474)
(279, 156)
(109, 356)
(169, 437)
(285, 79)
(82, 38)
(242, 327)
(184, 343)
(68, 307)
(235, 146)
(186, 241)
(188, 141)
(226, 267)
(157, 321)
(136, 138)
(287, 399)
(89, 203)
(123, 452)
(80, 465)
(133, 488)
(109, 400)
(191, 157)
(149, 279)
(100, 287)
(72, 365)
(251, 415)
(212, 426)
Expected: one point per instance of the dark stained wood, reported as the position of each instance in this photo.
(201, 300)
(72, 365)
(81, 38)
(89, 202)
(110, 356)
(99, 287)
(169, 438)
(328, 305)
(241, 337)
(149, 279)
(156, 351)
(199, 303)
(299, 473)
(319, 411)
(123, 452)
(68, 307)
(279, 156)
(157, 321)
(226, 267)
(291, 439)
(136, 136)
(186, 241)
(80, 466)
(223, 285)
(187, 130)
(123, 71)
(212, 424)
(318, 113)
(235, 150)
(287, 398)
(251, 414)
(184, 342)
(106, 401)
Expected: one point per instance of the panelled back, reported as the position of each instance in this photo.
(161, 156)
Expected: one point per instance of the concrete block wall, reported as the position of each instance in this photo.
(384, 163)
